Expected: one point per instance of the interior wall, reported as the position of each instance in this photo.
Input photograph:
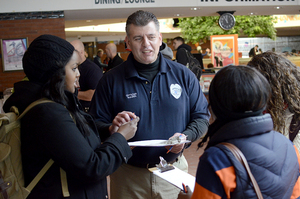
(30, 29)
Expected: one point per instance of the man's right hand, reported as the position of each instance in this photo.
(128, 129)
(187, 195)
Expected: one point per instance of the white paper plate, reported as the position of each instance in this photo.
(153, 143)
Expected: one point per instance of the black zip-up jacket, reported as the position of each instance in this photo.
(49, 132)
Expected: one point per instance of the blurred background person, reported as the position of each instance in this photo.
(90, 74)
(166, 51)
(112, 54)
(98, 61)
(181, 48)
(253, 51)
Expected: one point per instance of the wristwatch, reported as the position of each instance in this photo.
(226, 21)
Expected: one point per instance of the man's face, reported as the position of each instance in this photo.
(176, 44)
(108, 54)
(144, 42)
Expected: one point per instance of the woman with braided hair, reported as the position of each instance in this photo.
(284, 104)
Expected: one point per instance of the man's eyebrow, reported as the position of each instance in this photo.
(151, 34)
(137, 36)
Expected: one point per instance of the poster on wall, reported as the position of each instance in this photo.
(12, 51)
(224, 50)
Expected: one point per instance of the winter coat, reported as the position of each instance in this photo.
(272, 158)
(49, 132)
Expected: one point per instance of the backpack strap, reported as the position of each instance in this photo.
(39, 175)
(33, 104)
(64, 183)
(188, 58)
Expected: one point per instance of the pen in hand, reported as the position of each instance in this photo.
(169, 149)
(184, 188)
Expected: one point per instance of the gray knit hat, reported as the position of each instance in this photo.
(41, 59)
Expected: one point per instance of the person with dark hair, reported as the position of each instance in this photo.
(90, 74)
(199, 56)
(210, 65)
(284, 104)
(164, 94)
(253, 51)
(181, 47)
(61, 130)
(259, 51)
(238, 96)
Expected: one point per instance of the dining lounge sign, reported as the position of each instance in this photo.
(123, 1)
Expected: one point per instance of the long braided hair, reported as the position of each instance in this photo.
(284, 79)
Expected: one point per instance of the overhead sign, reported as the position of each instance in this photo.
(46, 5)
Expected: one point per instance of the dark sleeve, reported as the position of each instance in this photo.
(251, 52)
(103, 129)
(92, 77)
(199, 112)
(83, 157)
(96, 61)
(196, 129)
(181, 56)
(103, 65)
(199, 57)
(118, 61)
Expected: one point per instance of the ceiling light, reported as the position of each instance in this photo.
(177, 15)
(193, 8)
(277, 7)
(89, 21)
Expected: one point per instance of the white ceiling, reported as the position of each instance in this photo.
(77, 18)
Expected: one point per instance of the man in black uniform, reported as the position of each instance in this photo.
(112, 54)
(90, 75)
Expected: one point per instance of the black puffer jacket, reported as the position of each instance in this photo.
(271, 157)
(48, 132)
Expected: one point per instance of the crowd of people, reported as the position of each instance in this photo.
(87, 126)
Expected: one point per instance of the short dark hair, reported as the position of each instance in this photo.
(210, 65)
(141, 18)
(179, 39)
(238, 90)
